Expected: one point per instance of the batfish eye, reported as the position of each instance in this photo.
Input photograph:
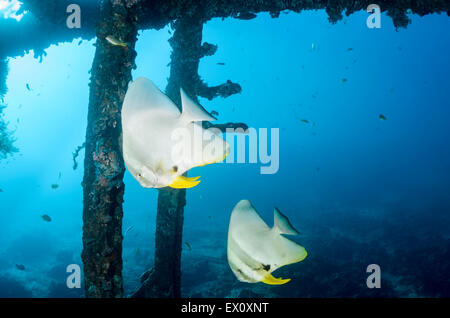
(139, 175)
(175, 168)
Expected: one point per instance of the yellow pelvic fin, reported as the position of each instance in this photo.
(182, 182)
(270, 280)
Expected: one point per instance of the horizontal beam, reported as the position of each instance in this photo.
(45, 24)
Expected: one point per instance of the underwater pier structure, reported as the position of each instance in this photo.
(104, 167)
(103, 187)
(6, 139)
(187, 50)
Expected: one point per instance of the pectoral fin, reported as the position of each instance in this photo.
(270, 280)
(182, 182)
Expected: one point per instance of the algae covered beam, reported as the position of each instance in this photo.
(167, 10)
(3, 74)
(44, 24)
(6, 140)
(397, 10)
(165, 278)
(103, 187)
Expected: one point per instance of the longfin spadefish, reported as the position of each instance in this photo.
(192, 111)
(270, 280)
(182, 182)
(281, 222)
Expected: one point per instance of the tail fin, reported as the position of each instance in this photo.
(282, 224)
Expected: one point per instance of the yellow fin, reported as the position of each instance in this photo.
(182, 182)
(270, 280)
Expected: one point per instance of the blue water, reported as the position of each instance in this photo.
(360, 190)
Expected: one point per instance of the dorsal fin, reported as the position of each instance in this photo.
(192, 111)
(143, 95)
(282, 224)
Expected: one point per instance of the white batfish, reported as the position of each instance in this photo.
(255, 250)
(159, 143)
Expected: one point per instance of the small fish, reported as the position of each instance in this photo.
(382, 117)
(220, 63)
(20, 267)
(46, 218)
(214, 113)
(313, 46)
(59, 176)
(246, 16)
(81, 41)
(55, 186)
(128, 230)
(28, 87)
(1, 190)
(136, 252)
(201, 196)
(115, 42)
(306, 121)
(343, 80)
(349, 49)
(188, 246)
(145, 275)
